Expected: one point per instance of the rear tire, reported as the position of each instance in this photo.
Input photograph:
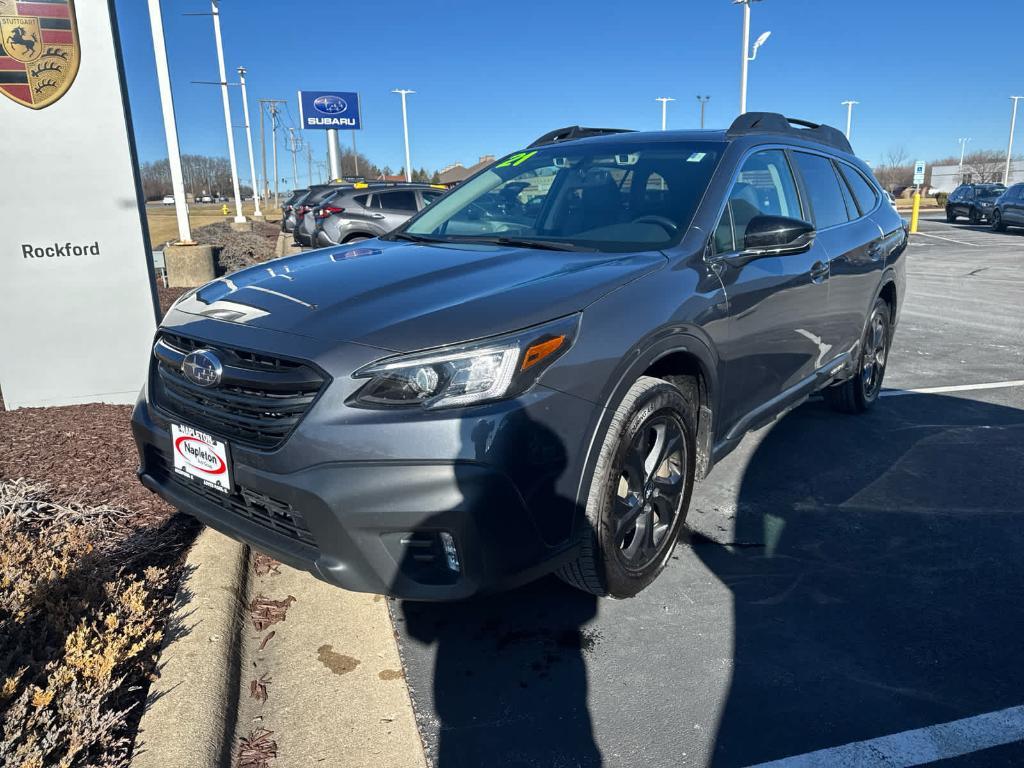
(858, 394)
(975, 217)
(639, 492)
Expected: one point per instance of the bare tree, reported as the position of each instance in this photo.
(895, 170)
(985, 166)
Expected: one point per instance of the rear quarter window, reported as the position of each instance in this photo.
(863, 191)
(823, 188)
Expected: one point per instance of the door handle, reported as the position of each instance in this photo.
(819, 271)
(376, 215)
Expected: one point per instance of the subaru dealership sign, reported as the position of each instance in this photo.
(321, 110)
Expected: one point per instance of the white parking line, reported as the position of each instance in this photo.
(957, 388)
(917, 747)
(950, 239)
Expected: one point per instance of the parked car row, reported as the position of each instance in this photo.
(975, 201)
(332, 214)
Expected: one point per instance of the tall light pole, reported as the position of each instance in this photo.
(170, 126)
(749, 54)
(215, 11)
(849, 115)
(963, 147)
(248, 138)
(405, 127)
(1009, 148)
(703, 102)
(664, 110)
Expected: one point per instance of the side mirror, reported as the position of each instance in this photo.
(777, 236)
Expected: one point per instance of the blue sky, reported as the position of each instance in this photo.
(490, 77)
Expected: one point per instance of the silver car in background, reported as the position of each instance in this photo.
(370, 211)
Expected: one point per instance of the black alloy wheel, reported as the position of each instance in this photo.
(997, 221)
(950, 214)
(646, 499)
(875, 354)
(975, 217)
(639, 489)
(858, 393)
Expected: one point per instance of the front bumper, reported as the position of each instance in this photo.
(360, 499)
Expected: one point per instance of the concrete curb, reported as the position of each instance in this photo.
(189, 721)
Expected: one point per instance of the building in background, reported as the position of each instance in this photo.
(946, 178)
(457, 172)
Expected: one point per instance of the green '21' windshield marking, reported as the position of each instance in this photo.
(517, 159)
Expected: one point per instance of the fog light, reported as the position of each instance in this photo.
(450, 552)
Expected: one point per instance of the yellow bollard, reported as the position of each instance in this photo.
(915, 214)
(224, 210)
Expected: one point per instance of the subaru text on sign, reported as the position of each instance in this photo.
(321, 110)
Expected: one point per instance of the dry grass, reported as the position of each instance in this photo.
(83, 600)
(163, 226)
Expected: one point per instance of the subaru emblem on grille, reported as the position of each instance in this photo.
(202, 367)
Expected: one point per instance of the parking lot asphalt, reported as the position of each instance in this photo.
(848, 579)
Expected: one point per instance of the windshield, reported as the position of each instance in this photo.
(602, 196)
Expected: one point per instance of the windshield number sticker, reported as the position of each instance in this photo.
(517, 159)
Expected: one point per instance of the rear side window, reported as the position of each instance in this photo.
(764, 186)
(823, 189)
(399, 201)
(865, 193)
(361, 199)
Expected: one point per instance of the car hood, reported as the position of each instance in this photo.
(406, 296)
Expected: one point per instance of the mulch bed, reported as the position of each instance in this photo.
(82, 452)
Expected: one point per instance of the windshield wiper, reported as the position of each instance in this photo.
(525, 242)
(413, 238)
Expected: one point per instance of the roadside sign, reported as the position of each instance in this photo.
(918, 172)
(324, 110)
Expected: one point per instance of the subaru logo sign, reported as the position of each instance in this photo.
(202, 367)
(328, 110)
(330, 105)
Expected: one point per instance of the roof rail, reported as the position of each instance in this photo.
(574, 132)
(773, 122)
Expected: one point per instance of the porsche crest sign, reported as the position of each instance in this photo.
(39, 51)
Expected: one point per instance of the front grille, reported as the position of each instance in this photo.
(260, 400)
(259, 508)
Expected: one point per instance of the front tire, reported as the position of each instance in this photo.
(997, 221)
(858, 394)
(975, 217)
(950, 215)
(639, 492)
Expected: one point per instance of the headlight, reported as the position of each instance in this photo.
(447, 377)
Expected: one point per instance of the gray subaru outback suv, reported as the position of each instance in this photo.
(531, 374)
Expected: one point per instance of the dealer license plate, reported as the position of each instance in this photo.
(200, 457)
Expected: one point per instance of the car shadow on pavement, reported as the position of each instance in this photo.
(506, 672)
(882, 589)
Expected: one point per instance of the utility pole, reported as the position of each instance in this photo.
(963, 148)
(309, 164)
(664, 110)
(293, 149)
(355, 152)
(248, 137)
(703, 102)
(405, 127)
(273, 109)
(749, 54)
(170, 125)
(1009, 148)
(849, 115)
(239, 218)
